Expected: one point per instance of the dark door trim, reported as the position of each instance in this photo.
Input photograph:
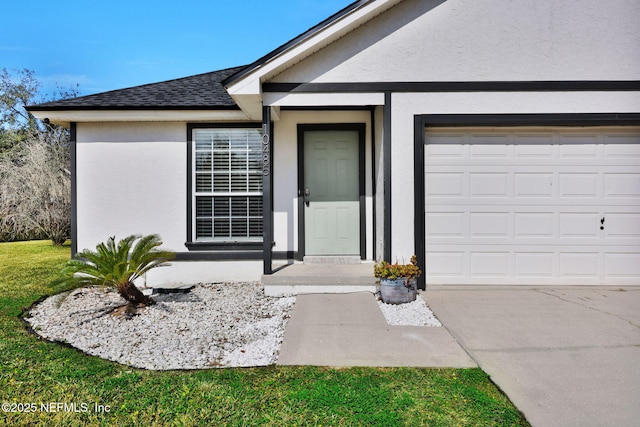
(361, 129)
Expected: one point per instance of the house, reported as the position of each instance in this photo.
(499, 141)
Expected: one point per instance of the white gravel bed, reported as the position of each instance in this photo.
(415, 313)
(213, 325)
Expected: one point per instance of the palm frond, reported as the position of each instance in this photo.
(114, 264)
(145, 256)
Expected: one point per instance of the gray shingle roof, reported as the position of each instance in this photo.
(199, 92)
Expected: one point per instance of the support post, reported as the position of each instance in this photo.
(73, 141)
(386, 161)
(419, 198)
(267, 191)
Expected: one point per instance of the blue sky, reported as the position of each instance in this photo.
(110, 44)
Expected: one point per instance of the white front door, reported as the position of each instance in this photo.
(542, 206)
(331, 192)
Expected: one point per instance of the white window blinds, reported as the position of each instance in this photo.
(228, 184)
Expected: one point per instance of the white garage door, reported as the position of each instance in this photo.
(535, 206)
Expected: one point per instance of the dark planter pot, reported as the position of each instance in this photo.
(394, 291)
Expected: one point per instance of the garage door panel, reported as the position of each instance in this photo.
(575, 184)
(527, 207)
(495, 150)
(622, 264)
(489, 263)
(447, 264)
(579, 225)
(531, 225)
(441, 145)
(490, 224)
(625, 185)
(446, 224)
(534, 264)
(445, 184)
(579, 264)
(622, 226)
(534, 185)
(579, 147)
(488, 184)
(621, 146)
(568, 265)
(534, 145)
(535, 225)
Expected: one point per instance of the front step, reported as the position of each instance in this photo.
(297, 279)
(333, 260)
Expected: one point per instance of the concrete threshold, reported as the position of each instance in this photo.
(298, 279)
(332, 260)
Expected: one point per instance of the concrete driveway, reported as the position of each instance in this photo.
(564, 356)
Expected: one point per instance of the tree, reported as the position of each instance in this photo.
(35, 182)
(35, 193)
(117, 266)
(16, 91)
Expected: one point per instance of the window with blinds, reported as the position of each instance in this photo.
(228, 184)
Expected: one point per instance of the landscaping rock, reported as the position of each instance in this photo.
(214, 325)
(415, 313)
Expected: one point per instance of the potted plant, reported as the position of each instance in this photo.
(398, 282)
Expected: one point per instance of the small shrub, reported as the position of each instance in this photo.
(117, 266)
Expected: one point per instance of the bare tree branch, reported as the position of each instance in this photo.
(35, 181)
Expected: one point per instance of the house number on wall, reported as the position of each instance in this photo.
(266, 155)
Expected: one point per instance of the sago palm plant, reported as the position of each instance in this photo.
(117, 265)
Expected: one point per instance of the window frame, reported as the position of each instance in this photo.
(250, 247)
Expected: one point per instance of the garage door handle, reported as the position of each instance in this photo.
(602, 224)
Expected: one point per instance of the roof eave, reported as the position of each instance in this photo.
(245, 87)
(34, 108)
(64, 117)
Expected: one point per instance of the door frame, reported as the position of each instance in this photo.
(361, 129)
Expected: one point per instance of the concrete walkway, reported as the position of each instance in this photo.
(350, 330)
(564, 356)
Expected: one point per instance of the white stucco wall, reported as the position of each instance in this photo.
(132, 179)
(406, 105)
(470, 40)
(188, 273)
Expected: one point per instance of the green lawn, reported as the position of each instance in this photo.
(41, 377)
